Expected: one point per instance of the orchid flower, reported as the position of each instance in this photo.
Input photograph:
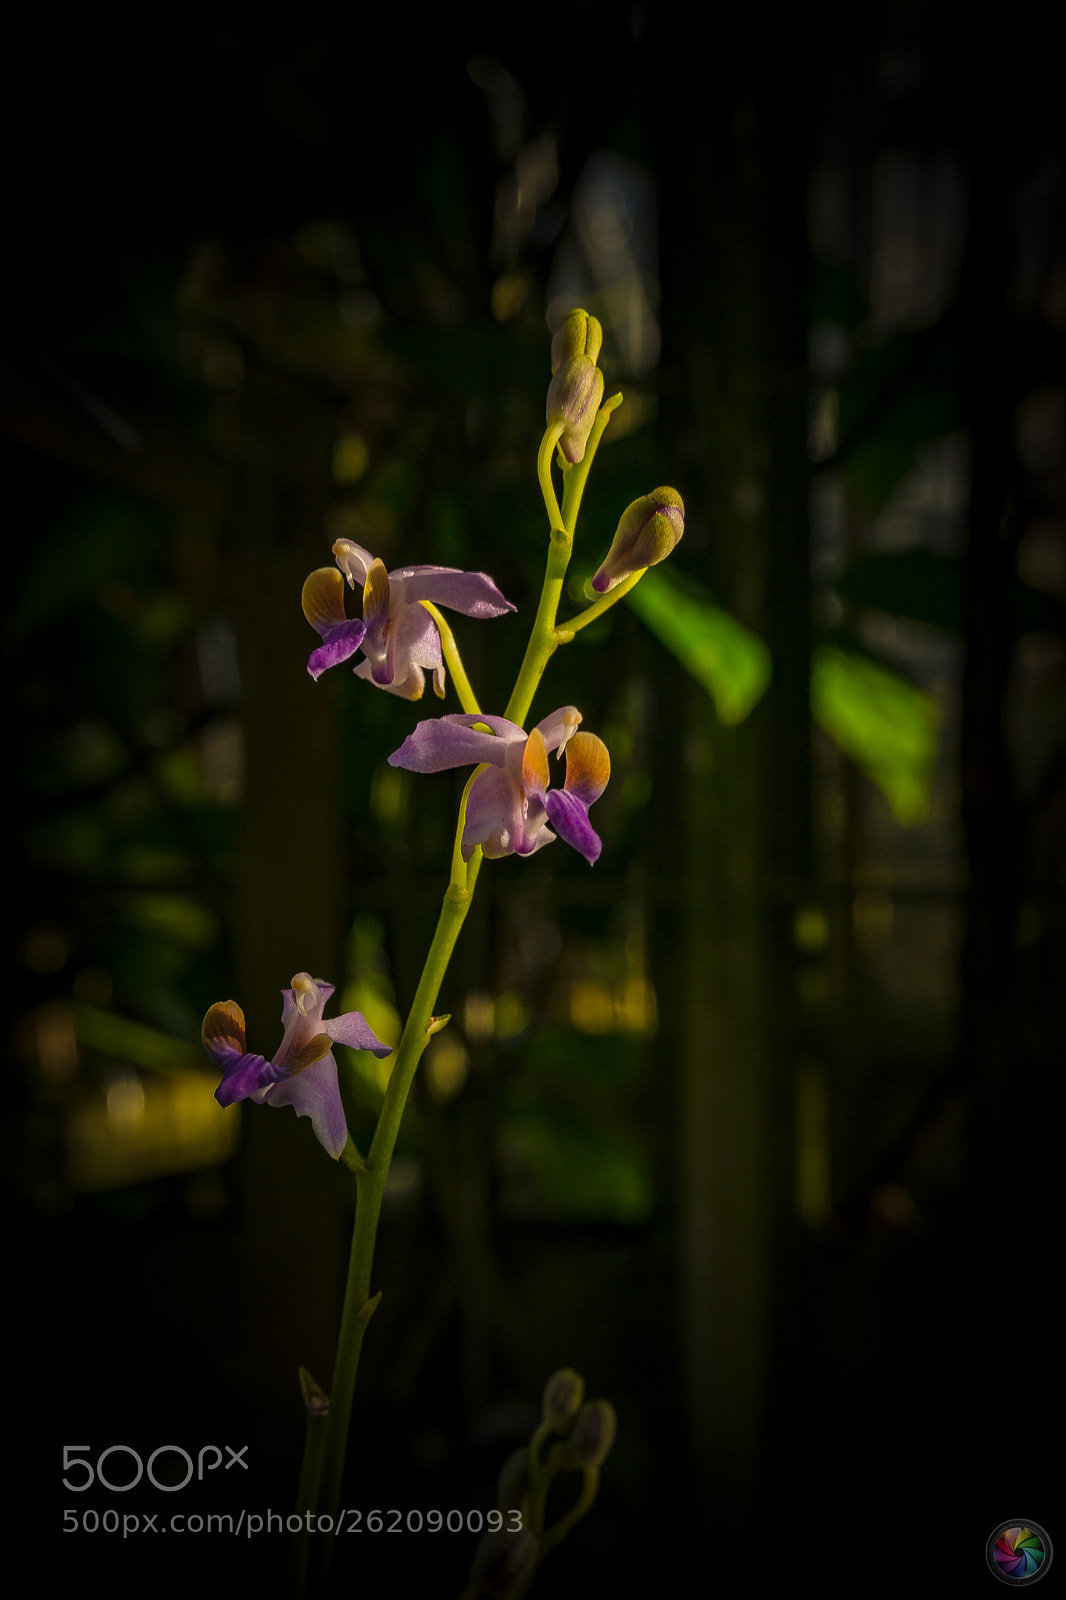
(397, 635)
(303, 1073)
(510, 804)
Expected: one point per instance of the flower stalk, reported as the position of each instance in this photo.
(359, 1306)
(510, 805)
(331, 1442)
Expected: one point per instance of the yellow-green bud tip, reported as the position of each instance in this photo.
(577, 335)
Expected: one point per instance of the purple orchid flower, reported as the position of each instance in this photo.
(510, 804)
(396, 634)
(303, 1073)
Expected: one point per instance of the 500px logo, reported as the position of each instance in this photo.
(208, 1458)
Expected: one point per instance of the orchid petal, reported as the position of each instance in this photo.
(472, 593)
(493, 815)
(460, 740)
(535, 775)
(322, 600)
(410, 687)
(339, 644)
(569, 817)
(559, 728)
(323, 606)
(353, 561)
(414, 644)
(224, 1035)
(315, 1093)
(245, 1075)
(353, 1030)
(499, 820)
(377, 597)
(588, 768)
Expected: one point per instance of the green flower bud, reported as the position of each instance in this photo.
(563, 1394)
(646, 533)
(577, 335)
(513, 1483)
(501, 1563)
(576, 389)
(592, 1435)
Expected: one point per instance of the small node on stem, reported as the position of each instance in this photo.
(437, 1023)
(315, 1398)
(352, 1157)
(367, 1309)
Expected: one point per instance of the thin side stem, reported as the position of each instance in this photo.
(551, 438)
(593, 612)
(452, 659)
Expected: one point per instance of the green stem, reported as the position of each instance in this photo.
(317, 1404)
(559, 1530)
(542, 639)
(566, 631)
(452, 659)
(551, 438)
(576, 476)
(370, 1189)
(326, 1448)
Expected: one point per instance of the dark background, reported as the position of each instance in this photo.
(763, 1140)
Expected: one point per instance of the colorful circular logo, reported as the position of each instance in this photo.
(1018, 1552)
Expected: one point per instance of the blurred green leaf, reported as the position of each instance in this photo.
(580, 1168)
(136, 1042)
(729, 662)
(176, 919)
(886, 725)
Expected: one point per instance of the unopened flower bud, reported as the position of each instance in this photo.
(646, 533)
(576, 389)
(513, 1483)
(592, 1435)
(577, 335)
(501, 1563)
(563, 1394)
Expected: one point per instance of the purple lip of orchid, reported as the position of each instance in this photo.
(396, 634)
(303, 1073)
(510, 805)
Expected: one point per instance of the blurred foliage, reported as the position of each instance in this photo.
(728, 661)
(886, 725)
(572, 1147)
